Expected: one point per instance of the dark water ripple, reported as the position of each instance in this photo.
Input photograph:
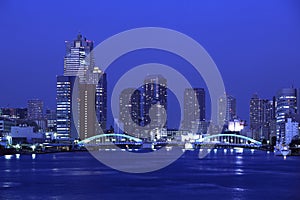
(220, 175)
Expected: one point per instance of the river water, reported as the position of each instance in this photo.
(220, 175)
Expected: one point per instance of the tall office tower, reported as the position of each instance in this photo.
(101, 100)
(35, 109)
(194, 110)
(269, 129)
(226, 109)
(155, 97)
(286, 100)
(262, 113)
(130, 110)
(79, 58)
(65, 125)
(91, 109)
(270, 108)
(90, 91)
(86, 111)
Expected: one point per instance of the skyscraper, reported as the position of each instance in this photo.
(226, 109)
(89, 91)
(101, 100)
(35, 112)
(130, 110)
(79, 58)
(262, 114)
(286, 100)
(64, 119)
(87, 121)
(35, 109)
(155, 97)
(194, 109)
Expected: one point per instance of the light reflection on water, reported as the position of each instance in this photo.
(219, 175)
(239, 160)
(239, 171)
(8, 157)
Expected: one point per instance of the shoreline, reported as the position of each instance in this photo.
(14, 152)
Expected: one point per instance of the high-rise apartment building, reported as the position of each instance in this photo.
(154, 103)
(194, 110)
(262, 115)
(101, 100)
(226, 109)
(35, 109)
(130, 110)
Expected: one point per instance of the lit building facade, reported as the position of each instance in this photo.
(78, 59)
(194, 110)
(35, 112)
(236, 125)
(262, 116)
(14, 113)
(154, 97)
(130, 110)
(88, 87)
(50, 117)
(5, 125)
(291, 130)
(286, 106)
(101, 100)
(65, 125)
(35, 109)
(226, 109)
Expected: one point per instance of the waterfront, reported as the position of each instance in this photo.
(220, 175)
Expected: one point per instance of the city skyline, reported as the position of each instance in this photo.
(244, 46)
(261, 110)
(76, 64)
(150, 99)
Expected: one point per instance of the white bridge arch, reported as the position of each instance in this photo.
(223, 138)
(87, 140)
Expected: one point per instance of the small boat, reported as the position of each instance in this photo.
(188, 146)
(282, 151)
(285, 150)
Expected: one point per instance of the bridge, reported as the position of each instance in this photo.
(114, 138)
(128, 141)
(228, 139)
(218, 139)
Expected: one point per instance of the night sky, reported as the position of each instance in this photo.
(255, 44)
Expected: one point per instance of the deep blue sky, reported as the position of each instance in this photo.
(255, 44)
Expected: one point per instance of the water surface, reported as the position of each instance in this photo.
(220, 175)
